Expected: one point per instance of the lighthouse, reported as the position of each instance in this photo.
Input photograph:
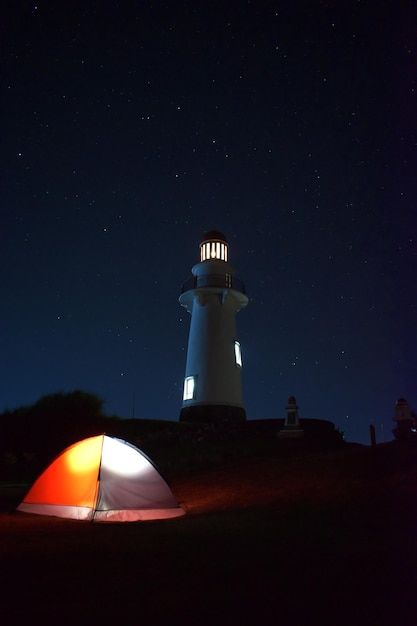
(213, 296)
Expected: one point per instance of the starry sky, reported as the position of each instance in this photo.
(131, 128)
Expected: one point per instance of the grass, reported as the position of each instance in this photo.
(282, 537)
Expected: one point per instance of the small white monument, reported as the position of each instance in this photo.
(404, 419)
(291, 426)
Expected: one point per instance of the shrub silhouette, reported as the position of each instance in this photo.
(51, 424)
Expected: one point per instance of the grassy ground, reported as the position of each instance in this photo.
(292, 537)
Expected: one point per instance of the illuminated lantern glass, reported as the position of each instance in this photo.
(214, 250)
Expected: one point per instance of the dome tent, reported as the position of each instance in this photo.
(102, 478)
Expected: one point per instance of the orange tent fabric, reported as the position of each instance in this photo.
(102, 478)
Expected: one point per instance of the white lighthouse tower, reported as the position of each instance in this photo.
(213, 296)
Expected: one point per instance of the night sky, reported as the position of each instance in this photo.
(128, 129)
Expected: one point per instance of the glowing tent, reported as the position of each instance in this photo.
(102, 478)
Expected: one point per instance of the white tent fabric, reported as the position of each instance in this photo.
(102, 478)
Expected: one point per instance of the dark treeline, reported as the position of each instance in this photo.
(32, 436)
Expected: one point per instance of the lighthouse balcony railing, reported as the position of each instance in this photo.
(213, 280)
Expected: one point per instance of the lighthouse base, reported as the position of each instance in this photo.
(212, 413)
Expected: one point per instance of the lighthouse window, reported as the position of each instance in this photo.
(189, 388)
(238, 354)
